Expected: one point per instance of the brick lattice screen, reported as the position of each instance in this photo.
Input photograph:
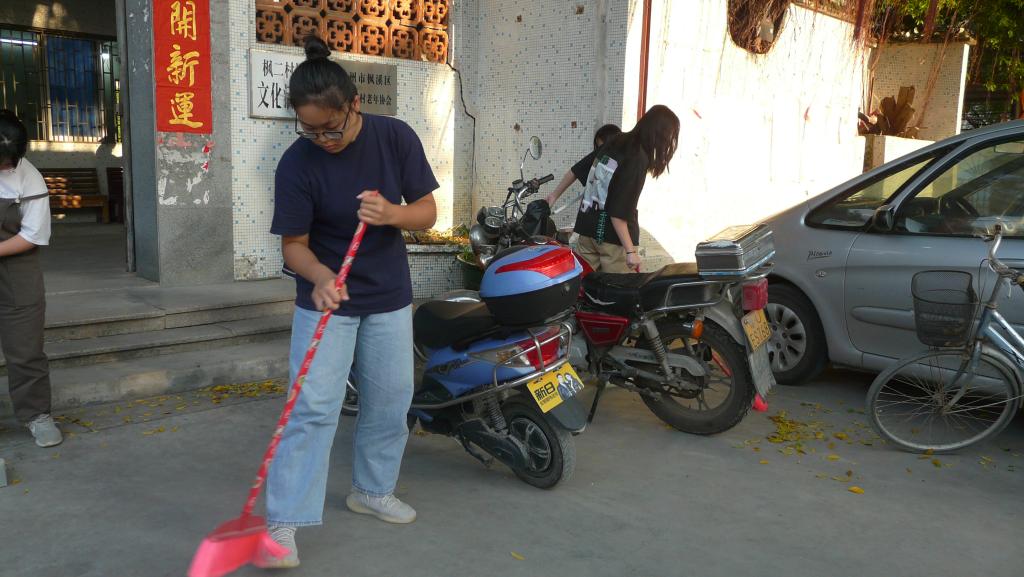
(410, 29)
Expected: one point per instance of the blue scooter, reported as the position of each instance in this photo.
(496, 374)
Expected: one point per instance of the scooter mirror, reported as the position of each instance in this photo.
(536, 147)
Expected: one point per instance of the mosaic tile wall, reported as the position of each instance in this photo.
(426, 101)
(911, 65)
(545, 72)
(434, 270)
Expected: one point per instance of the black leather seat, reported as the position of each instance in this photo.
(623, 293)
(439, 324)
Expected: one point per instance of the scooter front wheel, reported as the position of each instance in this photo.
(350, 405)
(550, 449)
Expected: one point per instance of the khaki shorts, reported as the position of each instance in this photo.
(603, 257)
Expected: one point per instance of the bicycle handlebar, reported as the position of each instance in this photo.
(999, 267)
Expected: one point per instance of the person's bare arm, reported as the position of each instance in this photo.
(15, 245)
(377, 210)
(299, 258)
(563, 185)
(622, 230)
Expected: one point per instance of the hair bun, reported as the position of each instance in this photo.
(315, 47)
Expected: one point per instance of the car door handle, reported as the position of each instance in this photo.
(896, 318)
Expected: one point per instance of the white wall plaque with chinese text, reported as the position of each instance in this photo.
(268, 84)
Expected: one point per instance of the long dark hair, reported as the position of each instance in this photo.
(657, 132)
(318, 80)
(605, 133)
(13, 138)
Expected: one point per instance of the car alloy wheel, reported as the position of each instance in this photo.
(788, 343)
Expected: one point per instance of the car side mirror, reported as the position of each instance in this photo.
(884, 218)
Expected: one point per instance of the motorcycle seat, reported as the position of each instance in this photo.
(624, 293)
(439, 324)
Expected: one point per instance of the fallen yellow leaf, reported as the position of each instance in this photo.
(937, 463)
(840, 436)
(517, 556)
(833, 457)
(856, 489)
(764, 461)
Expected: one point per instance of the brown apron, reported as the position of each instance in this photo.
(22, 318)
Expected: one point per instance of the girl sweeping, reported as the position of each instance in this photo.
(24, 226)
(346, 166)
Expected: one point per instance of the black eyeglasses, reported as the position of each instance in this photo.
(326, 134)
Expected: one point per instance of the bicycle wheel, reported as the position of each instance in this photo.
(912, 403)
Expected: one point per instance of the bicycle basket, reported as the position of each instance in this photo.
(944, 305)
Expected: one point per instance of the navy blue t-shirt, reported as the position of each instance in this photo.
(315, 193)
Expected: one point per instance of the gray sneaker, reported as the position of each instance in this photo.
(45, 431)
(387, 508)
(285, 537)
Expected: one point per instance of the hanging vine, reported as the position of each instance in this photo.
(754, 25)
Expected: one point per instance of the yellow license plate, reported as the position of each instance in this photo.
(756, 326)
(551, 389)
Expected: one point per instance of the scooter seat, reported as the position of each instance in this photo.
(624, 293)
(439, 324)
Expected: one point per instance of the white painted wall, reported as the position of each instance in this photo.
(759, 133)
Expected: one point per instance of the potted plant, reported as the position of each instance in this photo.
(472, 274)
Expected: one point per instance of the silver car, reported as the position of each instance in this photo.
(841, 287)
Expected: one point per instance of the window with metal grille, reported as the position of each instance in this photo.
(410, 29)
(64, 88)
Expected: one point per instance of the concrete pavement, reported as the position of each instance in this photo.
(135, 497)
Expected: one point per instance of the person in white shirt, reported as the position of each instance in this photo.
(24, 227)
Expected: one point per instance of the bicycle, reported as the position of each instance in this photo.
(967, 387)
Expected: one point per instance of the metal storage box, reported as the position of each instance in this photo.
(735, 252)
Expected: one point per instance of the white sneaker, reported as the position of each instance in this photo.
(45, 431)
(285, 537)
(387, 508)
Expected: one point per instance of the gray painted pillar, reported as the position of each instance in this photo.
(137, 54)
(181, 183)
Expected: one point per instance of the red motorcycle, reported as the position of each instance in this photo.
(690, 338)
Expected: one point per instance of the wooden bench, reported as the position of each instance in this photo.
(75, 188)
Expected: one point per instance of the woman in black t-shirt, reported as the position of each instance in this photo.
(607, 221)
(581, 169)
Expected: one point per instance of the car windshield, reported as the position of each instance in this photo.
(855, 208)
(978, 191)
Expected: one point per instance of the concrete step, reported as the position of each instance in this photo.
(119, 347)
(73, 315)
(163, 374)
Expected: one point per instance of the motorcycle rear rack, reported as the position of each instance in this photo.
(564, 336)
(764, 270)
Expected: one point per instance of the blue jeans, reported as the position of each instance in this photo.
(382, 345)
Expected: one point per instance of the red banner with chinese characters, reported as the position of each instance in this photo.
(181, 50)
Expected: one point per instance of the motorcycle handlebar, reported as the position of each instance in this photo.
(545, 179)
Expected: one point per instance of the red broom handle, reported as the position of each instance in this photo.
(293, 393)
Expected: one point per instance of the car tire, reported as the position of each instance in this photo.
(799, 352)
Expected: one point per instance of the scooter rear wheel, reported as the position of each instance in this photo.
(552, 453)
